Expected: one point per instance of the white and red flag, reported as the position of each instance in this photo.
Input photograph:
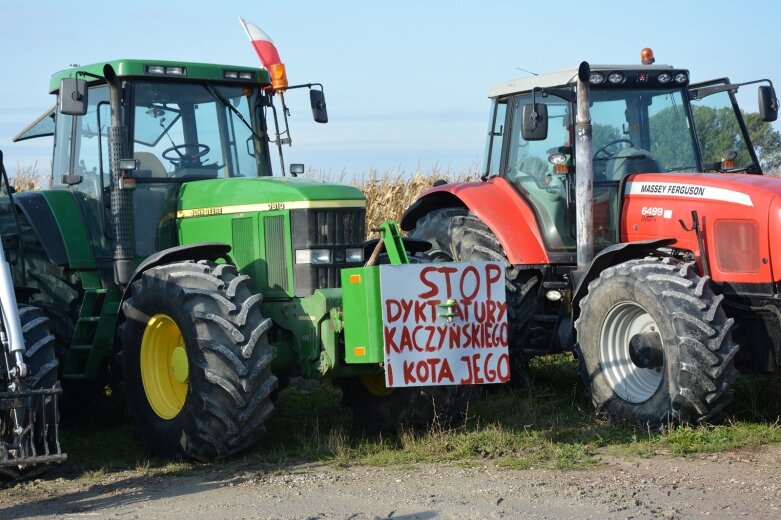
(264, 46)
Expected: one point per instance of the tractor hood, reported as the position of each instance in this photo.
(224, 196)
(739, 216)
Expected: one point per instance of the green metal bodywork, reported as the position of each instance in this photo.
(235, 211)
(308, 328)
(233, 192)
(73, 230)
(363, 313)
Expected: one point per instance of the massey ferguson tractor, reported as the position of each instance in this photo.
(637, 230)
(181, 274)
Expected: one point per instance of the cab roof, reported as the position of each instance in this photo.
(563, 78)
(126, 68)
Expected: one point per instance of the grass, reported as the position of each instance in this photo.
(547, 423)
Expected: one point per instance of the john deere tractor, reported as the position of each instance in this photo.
(179, 271)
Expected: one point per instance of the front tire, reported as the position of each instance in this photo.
(655, 345)
(196, 361)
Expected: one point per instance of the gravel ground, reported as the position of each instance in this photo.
(745, 483)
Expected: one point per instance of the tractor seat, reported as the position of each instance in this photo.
(149, 166)
(630, 160)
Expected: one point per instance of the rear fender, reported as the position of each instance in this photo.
(496, 203)
(58, 224)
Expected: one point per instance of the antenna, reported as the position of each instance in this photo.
(527, 71)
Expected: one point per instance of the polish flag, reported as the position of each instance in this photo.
(264, 46)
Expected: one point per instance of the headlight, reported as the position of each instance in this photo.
(616, 78)
(313, 256)
(596, 78)
(664, 77)
(354, 255)
(681, 77)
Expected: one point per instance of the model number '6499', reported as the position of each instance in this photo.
(652, 212)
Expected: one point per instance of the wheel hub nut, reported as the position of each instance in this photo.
(179, 367)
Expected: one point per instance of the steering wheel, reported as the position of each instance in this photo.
(181, 159)
(604, 149)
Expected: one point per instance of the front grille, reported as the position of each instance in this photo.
(334, 229)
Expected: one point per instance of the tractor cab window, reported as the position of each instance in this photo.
(640, 131)
(530, 170)
(81, 151)
(193, 132)
(493, 152)
(719, 131)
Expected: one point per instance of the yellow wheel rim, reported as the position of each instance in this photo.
(164, 366)
(375, 384)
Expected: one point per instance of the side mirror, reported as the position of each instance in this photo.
(534, 122)
(768, 103)
(319, 112)
(73, 97)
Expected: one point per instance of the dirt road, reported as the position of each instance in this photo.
(745, 483)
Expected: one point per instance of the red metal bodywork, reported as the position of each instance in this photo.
(497, 204)
(717, 198)
(653, 206)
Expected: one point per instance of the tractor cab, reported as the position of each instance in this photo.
(644, 119)
(182, 122)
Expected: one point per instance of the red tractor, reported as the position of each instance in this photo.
(630, 209)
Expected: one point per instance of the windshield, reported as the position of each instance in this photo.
(637, 131)
(720, 131)
(197, 131)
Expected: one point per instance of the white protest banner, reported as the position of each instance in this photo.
(444, 324)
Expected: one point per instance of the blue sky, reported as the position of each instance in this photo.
(406, 81)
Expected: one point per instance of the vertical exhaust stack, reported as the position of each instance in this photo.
(121, 199)
(584, 168)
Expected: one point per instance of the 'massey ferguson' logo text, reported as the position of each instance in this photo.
(672, 189)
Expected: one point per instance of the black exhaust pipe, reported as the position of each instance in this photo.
(121, 199)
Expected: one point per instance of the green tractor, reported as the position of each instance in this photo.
(179, 272)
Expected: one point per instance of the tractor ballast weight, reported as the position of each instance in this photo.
(630, 238)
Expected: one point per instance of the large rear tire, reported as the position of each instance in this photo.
(655, 345)
(42, 369)
(457, 235)
(196, 361)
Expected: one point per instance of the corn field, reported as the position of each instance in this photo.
(28, 178)
(388, 194)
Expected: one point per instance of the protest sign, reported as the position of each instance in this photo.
(444, 324)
